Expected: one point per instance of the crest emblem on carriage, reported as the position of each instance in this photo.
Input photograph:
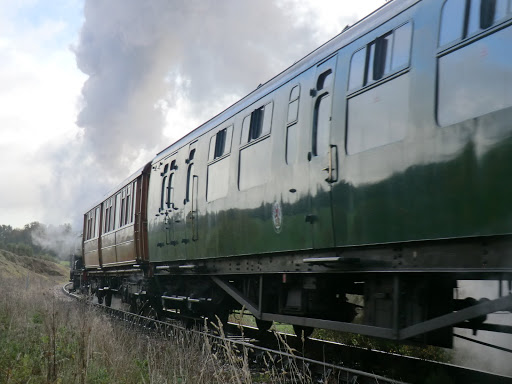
(277, 216)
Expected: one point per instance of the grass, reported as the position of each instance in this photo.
(44, 339)
(420, 351)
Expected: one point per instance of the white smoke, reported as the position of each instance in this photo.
(59, 239)
(146, 61)
(142, 56)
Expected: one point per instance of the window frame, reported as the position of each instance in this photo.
(245, 137)
(228, 140)
(466, 34)
(367, 80)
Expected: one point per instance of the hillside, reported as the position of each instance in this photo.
(12, 265)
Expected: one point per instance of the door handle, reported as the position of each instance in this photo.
(332, 168)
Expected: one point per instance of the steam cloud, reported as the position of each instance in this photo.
(142, 59)
(141, 56)
(60, 239)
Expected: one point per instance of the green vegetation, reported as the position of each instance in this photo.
(420, 351)
(46, 339)
(34, 239)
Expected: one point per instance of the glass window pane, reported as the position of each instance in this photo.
(256, 123)
(401, 46)
(246, 125)
(322, 125)
(452, 21)
(118, 211)
(293, 111)
(220, 143)
(357, 69)
(170, 190)
(229, 136)
(501, 9)
(267, 118)
(190, 175)
(211, 151)
(291, 143)
(162, 195)
(487, 13)
(294, 94)
(97, 225)
(380, 60)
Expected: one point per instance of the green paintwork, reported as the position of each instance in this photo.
(437, 183)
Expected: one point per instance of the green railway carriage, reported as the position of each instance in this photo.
(377, 166)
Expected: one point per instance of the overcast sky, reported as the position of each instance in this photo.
(92, 89)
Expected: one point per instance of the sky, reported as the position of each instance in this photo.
(92, 90)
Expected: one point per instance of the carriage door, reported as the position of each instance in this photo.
(322, 157)
(191, 198)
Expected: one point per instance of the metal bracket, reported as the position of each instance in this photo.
(501, 304)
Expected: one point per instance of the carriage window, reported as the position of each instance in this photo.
(401, 46)
(485, 14)
(169, 202)
(463, 18)
(164, 184)
(123, 208)
(452, 21)
(97, 222)
(170, 191)
(118, 211)
(383, 56)
(379, 59)
(128, 209)
(322, 121)
(257, 124)
(220, 143)
(190, 174)
(108, 219)
(357, 69)
(126, 206)
(88, 225)
(291, 126)
(293, 105)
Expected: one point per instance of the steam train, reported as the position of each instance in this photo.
(368, 178)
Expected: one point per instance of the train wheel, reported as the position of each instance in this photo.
(263, 325)
(302, 331)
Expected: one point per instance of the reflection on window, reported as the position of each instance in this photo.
(220, 143)
(257, 124)
(162, 190)
(91, 224)
(357, 69)
(380, 57)
(463, 18)
(291, 125)
(117, 211)
(170, 191)
(383, 56)
(322, 122)
(401, 46)
(452, 21)
(481, 86)
(190, 174)
(108, 218)
(97, 222)
(293, 105)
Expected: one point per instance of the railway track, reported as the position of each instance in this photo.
(327, 362)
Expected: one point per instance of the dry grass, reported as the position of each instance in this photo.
(44, 339)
